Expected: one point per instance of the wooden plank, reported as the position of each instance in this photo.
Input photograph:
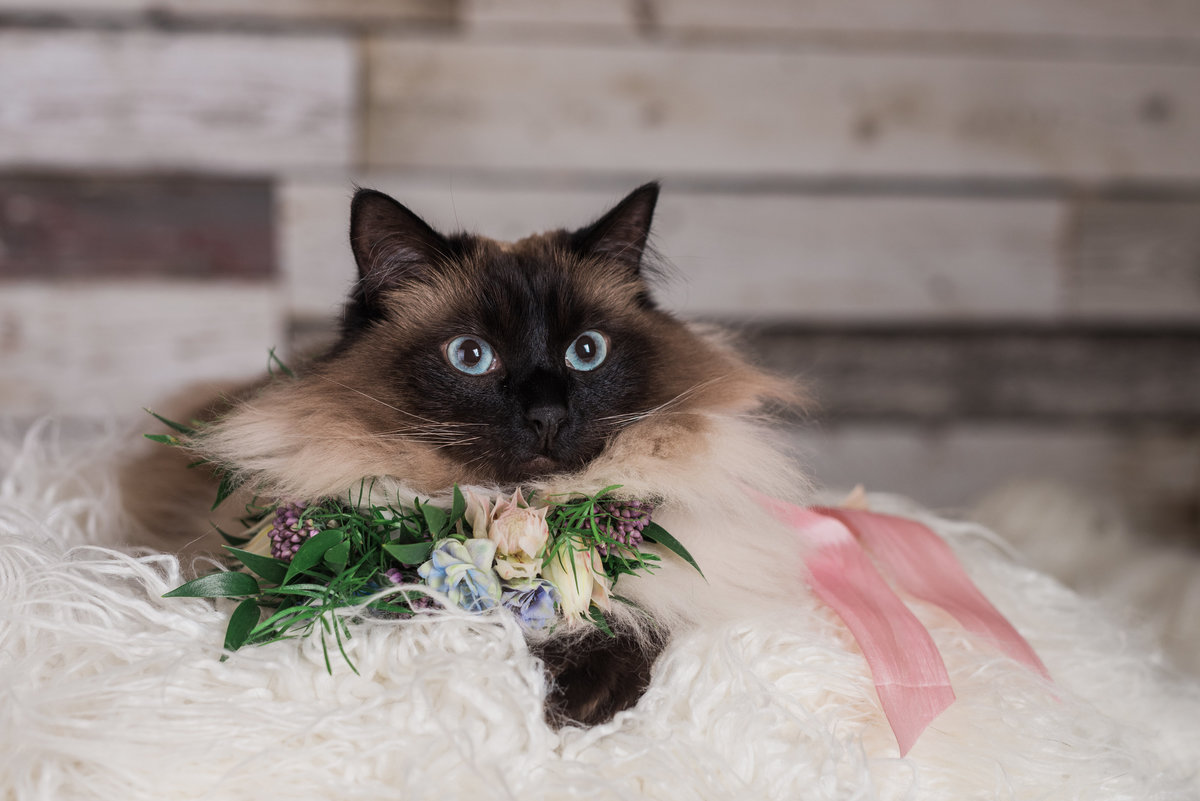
(527, 15)
(343, 11)
(744, 256)
(103, 350)
(1168, 19)
(81, 226)
(1063, 375)
(671, 109)
(142, 100)
(1153, 473)
(1133, 258)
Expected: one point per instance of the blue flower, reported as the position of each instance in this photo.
(463, 571)
(533, 602)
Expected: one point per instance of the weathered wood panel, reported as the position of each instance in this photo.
(109, 350)
(527, 15)
(251, 103)
(1169, 19)
(1134, 258)
(671, 109)
(63, 226)
(1153, 473)
(281, 10)
(936, 375)
(759, 257)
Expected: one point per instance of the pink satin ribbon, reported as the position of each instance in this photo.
(910, 676)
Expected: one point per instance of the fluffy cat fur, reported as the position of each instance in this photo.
(673, 414)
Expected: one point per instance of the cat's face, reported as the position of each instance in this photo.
(514, 360)
(465, 360)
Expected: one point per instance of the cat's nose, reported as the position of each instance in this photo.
(545, 419)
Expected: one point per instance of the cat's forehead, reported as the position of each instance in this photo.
(536, 281)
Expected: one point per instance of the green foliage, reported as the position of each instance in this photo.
(337, 575)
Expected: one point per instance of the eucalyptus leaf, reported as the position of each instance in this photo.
(458, 506)
(312, 551)
(435, 518)
(656, 533)
(217, 585)
(336, 556)
(243, 621)
(411, 554)
(273, 570)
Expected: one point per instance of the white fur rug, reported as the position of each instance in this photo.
(108, 691)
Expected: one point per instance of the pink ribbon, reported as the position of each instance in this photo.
(910, 676)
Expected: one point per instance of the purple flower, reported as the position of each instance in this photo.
(624, 522)
(533, 602)
(290, 531)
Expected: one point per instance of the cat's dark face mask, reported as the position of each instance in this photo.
(516, 360)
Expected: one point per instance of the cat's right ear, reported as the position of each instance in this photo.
(390, 243)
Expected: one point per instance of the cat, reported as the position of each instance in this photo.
(544, 363)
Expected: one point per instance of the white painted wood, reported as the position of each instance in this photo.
(952, 467)
(142, 100)
(339, 10)
(88, 350)
(761, 257)
(1037, 18)
(668, 109)
(532, 14)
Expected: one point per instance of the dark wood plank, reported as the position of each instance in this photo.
(79, 226)
(1068, 375)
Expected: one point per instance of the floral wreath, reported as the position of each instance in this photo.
(550, 561)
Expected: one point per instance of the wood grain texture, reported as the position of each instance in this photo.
(1031, 18)
(141, 100)
(1133, 258)
(1062, 375)
(106, 226)
(277, 10)
(741, 256)
(1151, 472)
(93, 351)
(671, 109)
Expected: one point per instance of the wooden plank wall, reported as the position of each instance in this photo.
(973, 226)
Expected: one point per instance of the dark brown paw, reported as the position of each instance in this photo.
(595, 676)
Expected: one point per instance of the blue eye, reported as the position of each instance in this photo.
(588, 351)
(471, 355)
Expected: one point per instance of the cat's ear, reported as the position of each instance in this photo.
(390, 243)
(621, 234)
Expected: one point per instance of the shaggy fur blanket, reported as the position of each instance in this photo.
(109, 691)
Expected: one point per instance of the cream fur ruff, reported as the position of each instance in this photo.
(108, 691)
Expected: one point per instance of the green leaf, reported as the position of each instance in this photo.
(435, 518)
(458, 506)
(336, 556)
(656, 533)
(232, 539)
(273, 570)
(217, 585)
(241, 623)
(226, 488)
(412, 554)
(312, 551)
(273, 360)
(600, 620)
(165, 439)
(180, 427)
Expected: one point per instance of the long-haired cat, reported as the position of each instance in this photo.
(543, 363)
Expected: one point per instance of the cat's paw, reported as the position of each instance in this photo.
(595, 676)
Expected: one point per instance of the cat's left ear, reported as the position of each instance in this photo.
(621, 234)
